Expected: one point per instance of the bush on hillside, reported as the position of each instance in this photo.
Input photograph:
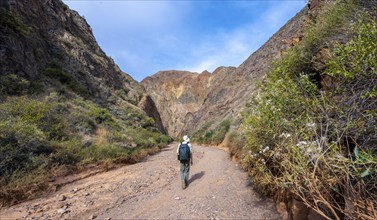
(14, 22)
(235, 141)
(12, 84)
(57, 75)
(208, 135)
(38, 136)
(318, 143)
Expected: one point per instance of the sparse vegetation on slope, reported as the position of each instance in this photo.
(63, 103)
(312, 130)
(211, 133)
(38, 136)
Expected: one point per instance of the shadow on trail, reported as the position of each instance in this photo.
(196, 176)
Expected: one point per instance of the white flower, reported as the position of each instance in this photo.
(311, 125)
(285, 135)
(311, 149)
(301, 144)
(266, 149)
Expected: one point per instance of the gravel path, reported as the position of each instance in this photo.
(218, 189)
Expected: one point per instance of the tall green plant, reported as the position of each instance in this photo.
(319, 143)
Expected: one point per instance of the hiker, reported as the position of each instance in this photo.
(184, 152)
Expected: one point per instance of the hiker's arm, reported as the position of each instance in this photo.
(178, 152)
(191, 159)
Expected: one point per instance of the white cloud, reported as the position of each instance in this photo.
(144, 37)
(234, 47)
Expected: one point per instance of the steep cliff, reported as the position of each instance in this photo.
(188, 101)
(179, 94)
(42, 36)
(53, 48)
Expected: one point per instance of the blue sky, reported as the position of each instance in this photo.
(146, 36)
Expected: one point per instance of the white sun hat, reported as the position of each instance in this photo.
(186, 138)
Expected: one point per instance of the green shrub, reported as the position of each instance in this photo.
(15, 23)
(164, 139)
(208, 135)
(123, 93)
(199, 135)
(147, 122)
(37, 136)
(83, 123)
(235, 141)
(221, 131)
(12, 84)
(317, 144)
(55, 72)
(26, 128)
(101, 115)
(93, 111)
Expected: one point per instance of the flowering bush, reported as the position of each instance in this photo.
(315, 143)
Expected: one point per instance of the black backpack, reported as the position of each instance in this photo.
(184, 152)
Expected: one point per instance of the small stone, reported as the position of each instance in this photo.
(282, 210)
(92, 217)
(177, 198)
(62, 211)
(299, 210)
(107, 218)
(62, 198)
(86, 194)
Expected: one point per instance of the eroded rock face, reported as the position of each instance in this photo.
(177, 94)
(187, 101)
(147, 104)
(38, 35)
(47, 43)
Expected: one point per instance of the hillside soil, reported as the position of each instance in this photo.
(218, 189)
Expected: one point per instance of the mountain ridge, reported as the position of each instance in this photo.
(227, 89)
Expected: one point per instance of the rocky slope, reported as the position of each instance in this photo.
(39, 35)
(43, 42)
(187, 101)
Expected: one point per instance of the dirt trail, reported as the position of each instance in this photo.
(218, 189)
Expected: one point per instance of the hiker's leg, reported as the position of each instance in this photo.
(187, 173)
(182, 171)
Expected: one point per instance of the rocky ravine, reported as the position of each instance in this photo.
(218, 189)
(188, 100)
